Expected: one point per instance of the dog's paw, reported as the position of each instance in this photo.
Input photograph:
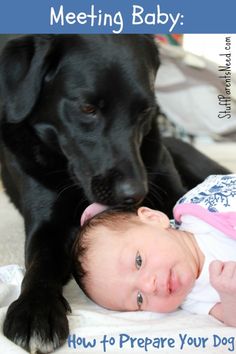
(37, 323)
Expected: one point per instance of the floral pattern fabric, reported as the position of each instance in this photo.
(213, 201)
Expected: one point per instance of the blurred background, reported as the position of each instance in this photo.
(195, 71)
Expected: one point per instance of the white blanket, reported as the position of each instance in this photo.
(96, 330)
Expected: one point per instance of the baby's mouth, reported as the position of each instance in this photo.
(173, 283)
(169, 289)
(165, 289)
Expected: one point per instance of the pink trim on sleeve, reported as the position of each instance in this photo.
(224, 222)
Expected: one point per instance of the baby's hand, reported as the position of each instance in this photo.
(223, 279)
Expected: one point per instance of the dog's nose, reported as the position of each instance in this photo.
(130, 192)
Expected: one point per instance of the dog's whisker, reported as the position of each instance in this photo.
(156, 198)
(56, 171)
(153, 197)
(81, 202)
(156, 173)
(151, 201)
(157, 188)
(74, 185)
(155, 194)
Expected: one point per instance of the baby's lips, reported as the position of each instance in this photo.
(92, 210)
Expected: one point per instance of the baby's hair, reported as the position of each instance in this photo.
(116, 220)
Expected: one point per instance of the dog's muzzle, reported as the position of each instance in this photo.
(118, 191)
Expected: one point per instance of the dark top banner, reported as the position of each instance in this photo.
(117, 16)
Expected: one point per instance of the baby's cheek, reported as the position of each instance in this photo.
(165, 305)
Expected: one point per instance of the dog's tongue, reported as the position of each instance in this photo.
(92, 210)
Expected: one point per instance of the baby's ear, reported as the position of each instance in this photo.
(155, 217)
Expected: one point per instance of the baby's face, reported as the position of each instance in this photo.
(145, 268)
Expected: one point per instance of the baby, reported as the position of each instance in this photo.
(132, 261)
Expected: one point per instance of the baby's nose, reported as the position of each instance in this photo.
(148, 284)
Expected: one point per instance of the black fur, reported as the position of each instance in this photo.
(78, 125)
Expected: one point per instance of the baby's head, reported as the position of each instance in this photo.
(131, 261)
(98, 230)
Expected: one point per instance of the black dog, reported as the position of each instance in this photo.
(78, 125)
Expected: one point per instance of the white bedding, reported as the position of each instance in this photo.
(179, 332)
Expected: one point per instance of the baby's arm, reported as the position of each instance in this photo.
(223, 279)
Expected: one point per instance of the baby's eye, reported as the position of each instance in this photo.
(139, 300)
(138, 260)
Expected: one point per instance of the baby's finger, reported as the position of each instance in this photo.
(215, 269)
(229, 269)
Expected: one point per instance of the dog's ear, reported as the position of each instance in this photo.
(154, 50)
(22, 68)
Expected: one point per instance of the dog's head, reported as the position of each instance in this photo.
(92, 98)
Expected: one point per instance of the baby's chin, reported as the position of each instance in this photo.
(165, 308)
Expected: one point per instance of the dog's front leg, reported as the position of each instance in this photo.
(37, 319)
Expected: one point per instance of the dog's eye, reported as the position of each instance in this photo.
(89, 109)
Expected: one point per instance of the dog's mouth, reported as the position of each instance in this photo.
(125, 195)
(92, 210)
